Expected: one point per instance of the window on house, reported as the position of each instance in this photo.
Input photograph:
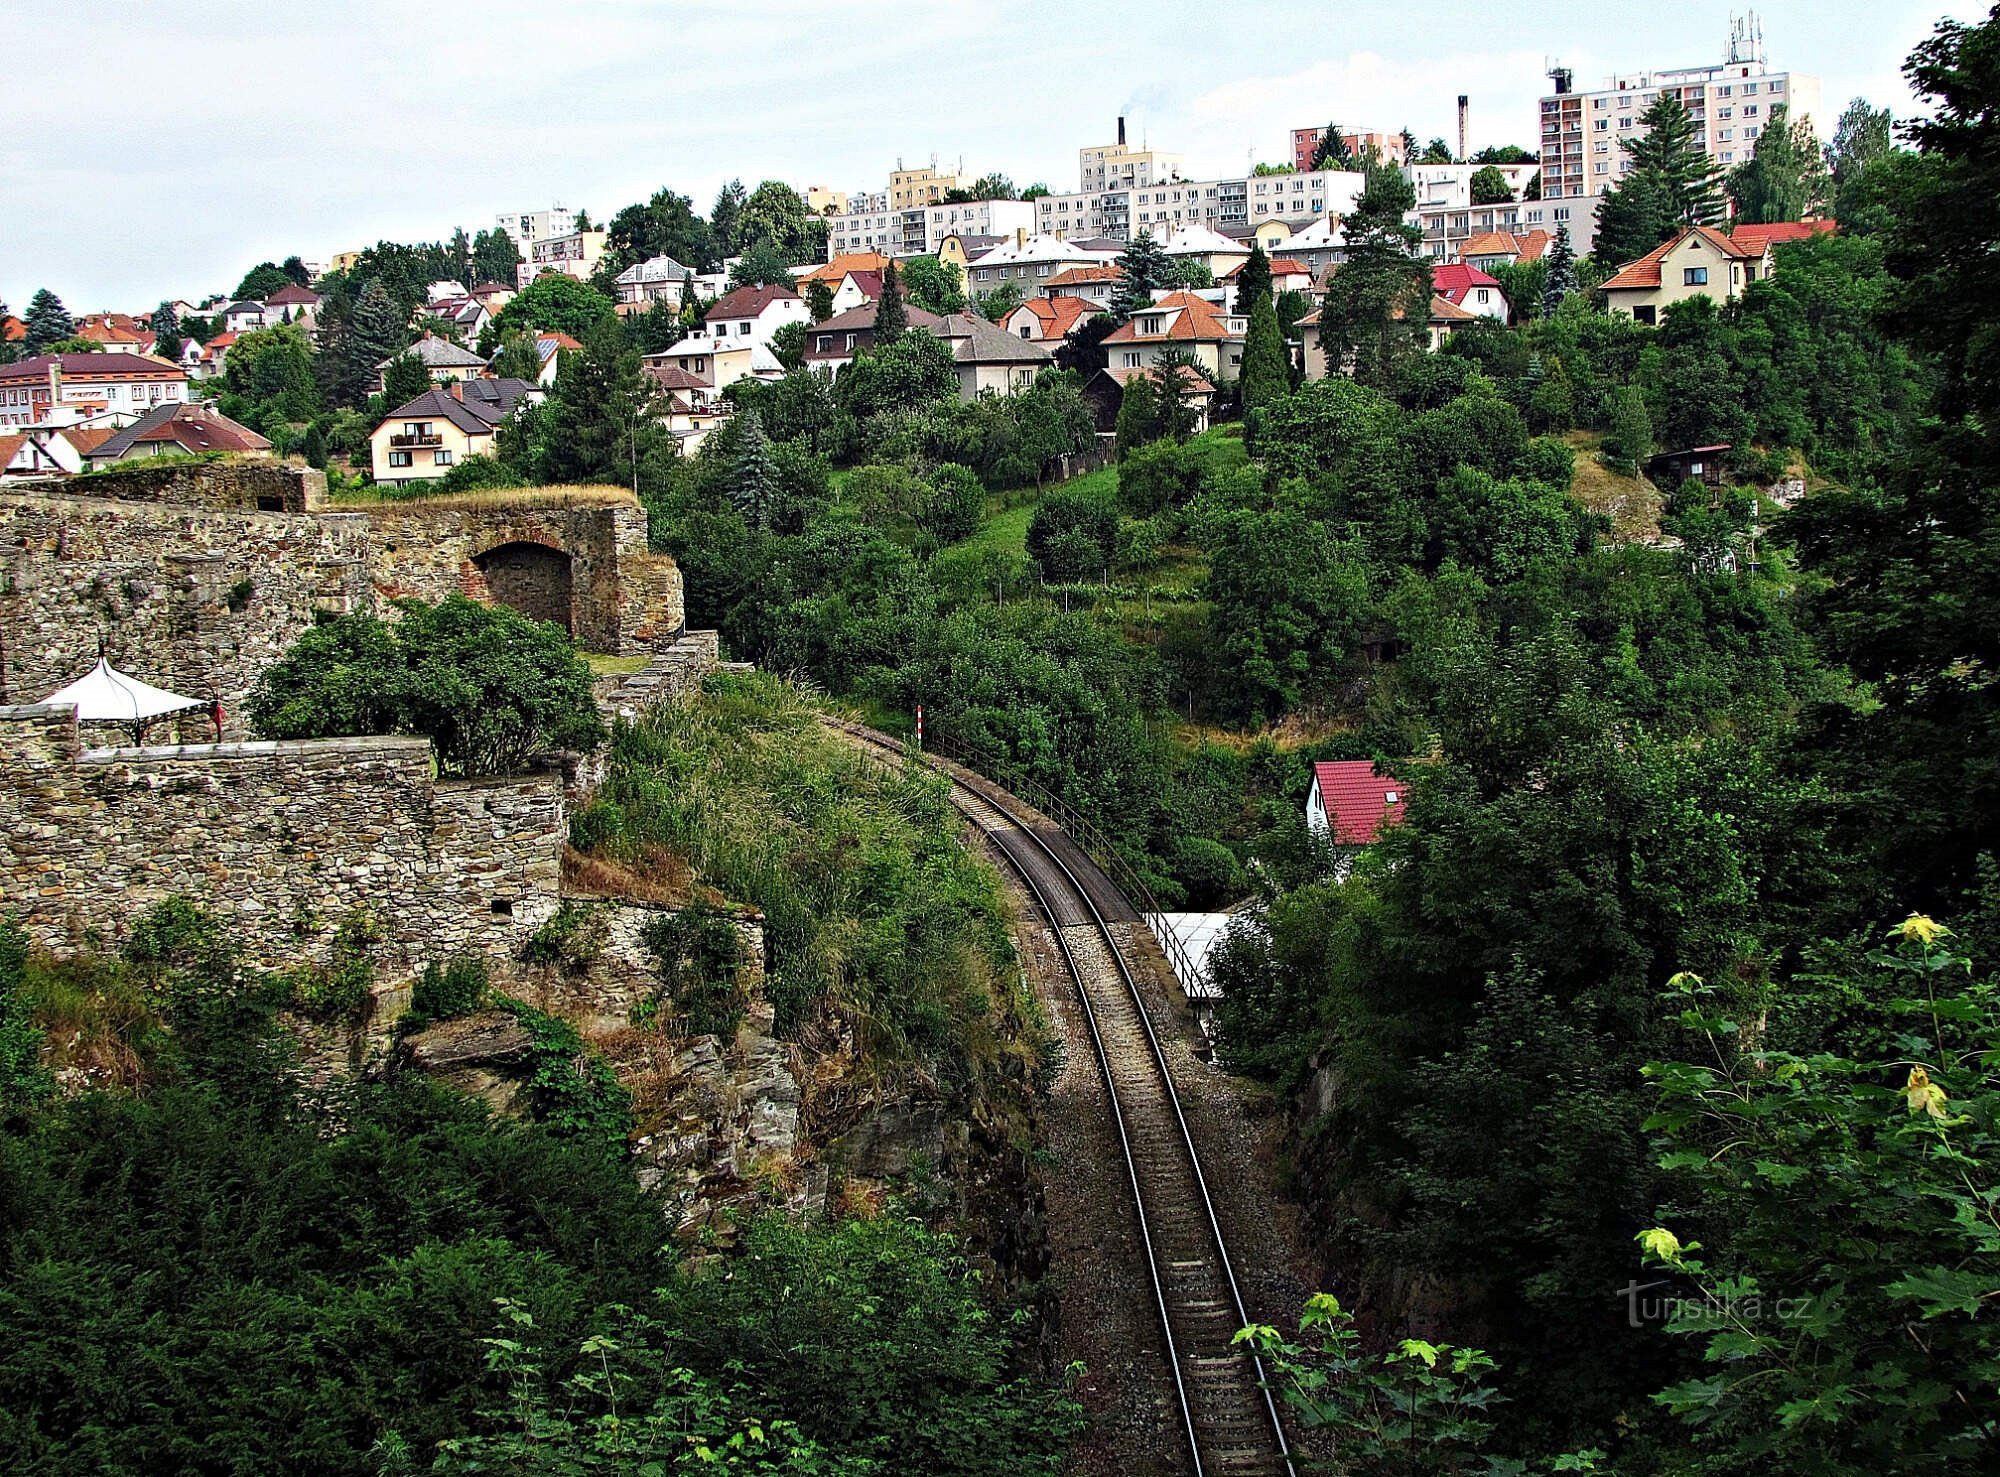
(1643, 314)
(1603, 124)
(399, 458)
(441, 458)
(1694, 276)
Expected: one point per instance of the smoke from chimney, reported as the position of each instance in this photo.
(1461, 127)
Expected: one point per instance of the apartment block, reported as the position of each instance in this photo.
(1305, 145)
(1731, 104)
(529, 226)
(919, 230)
(1115, 166)
(1242, 203)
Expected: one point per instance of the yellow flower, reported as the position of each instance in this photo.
(1924, 1095)
(1920, 930)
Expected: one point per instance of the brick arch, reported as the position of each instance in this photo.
(535, 576)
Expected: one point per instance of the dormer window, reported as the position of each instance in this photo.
(1151, 324)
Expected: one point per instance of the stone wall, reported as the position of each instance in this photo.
(196, 600)
(247, 485)
(200, 599)
(285, 839)
(620, 597)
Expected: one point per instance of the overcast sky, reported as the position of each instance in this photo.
(169, 146)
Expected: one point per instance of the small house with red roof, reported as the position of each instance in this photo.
(1350, 802)
(1050, 319)
(1288, 274)
(1701, 261)
(1097, 283)
(1181, 320)
(1469, 288)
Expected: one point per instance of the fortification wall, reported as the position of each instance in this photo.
(245, 484)
(197, 600)
(285, 839)
(200, 596)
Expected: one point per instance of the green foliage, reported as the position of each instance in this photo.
(1139, 414)
(1864, 1351)
(601, 421)
(1072, 535)
(571, 939)
(261, 281)
(935, 286)
(553, 303)
(23, 1080)
(1630, 440)
(1266, 372)
(571, 1089)
(891, 320)
(1489, 187)
(775, 218)
(454, 988)
(1670, 151)
(47, 322)
(340, 989)
(1633, 217)
(1785, 178)
(956, 502)
(270, 371)
(702, 959)
(480, 473)
(1376, 312)
(490, 688)
(1146, 268)
(404, 379)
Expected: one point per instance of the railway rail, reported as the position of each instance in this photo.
(1228, 1418)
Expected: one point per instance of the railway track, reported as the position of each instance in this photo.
(1229, 1421)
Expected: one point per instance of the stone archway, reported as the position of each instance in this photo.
(533, 578)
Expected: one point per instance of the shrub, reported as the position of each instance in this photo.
(572, 1089)
(1165, 474)
(1073, 535)
(702, 957)
(455, 988)
(489, 687)
(956, 504)
(22, 1078)
(599, 827)
(571, 940)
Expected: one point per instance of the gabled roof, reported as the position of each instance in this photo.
(437, 353)
(1190, 320)
(1059, 316)
(243, 305)
(198, 427)
(974, 340)
(291, 295)
(1321, 234)
(1756, 238)
(1281, 266)
(1194, 239)
(862, 316)
(847, 261)
(1518, 247)
(1452, 281)
(85, 439)
(654, 269)
(1442, 311)
(124, 366)
(481, 405)
(112, 333)
(749, 302)
(868, 284)
(1645, 272)
(1040, 248)
(12, 330)
(673, 377)
(1193, 381)
(1078, 276)
(10, 447)
(1359, 802)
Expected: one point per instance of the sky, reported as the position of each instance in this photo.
(171, 146)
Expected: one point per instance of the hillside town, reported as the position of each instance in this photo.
(1334, 819)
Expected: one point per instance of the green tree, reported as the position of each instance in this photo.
(666, 225)
(553, 303)
(1671, 150)
(753, 483)
(355, 338)
(819, 300)
(601, 422)
(1266, 370)
(891, 321)
(1139, 416)
(1254, 281)
(1073, 535)
(518, 358)
(1560, 280)
(1437, 151)
(1489, 186)
(774, 215)
(1862, 138)
(261, 281)
(725, 217)
(1785, 178)
(1287, 603)
(271, 370)
(1145, 268)
(1630, 438)
(1633, 217)
(495, 258)
(1331, 152)
(404, 380)
(166, 326)
(788, 345)
(1375, 316)
(490, 688)
(47, 322)
(935, 286)
(761, 264)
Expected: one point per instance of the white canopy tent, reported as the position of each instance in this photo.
(106, 695)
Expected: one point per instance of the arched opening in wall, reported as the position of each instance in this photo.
(531, 578)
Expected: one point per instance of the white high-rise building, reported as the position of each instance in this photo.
(529, 226)
(1730, 102)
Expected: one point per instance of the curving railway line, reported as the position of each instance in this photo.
(1228, 1419)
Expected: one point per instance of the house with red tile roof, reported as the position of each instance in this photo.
(1050, 319)
(174, 428)
(1181, 320)
(856, 288)
(1701, 261)
(64, 389)
(1288, 274)
(1097, 283)
(1350, 802)
(1469, 288)
(1489, 249)
(1446, 318)
(831, 345)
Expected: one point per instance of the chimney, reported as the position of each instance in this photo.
(1121, 130)
(1461, 128)
(55, 382)
(457, 390)
(1020, 235)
